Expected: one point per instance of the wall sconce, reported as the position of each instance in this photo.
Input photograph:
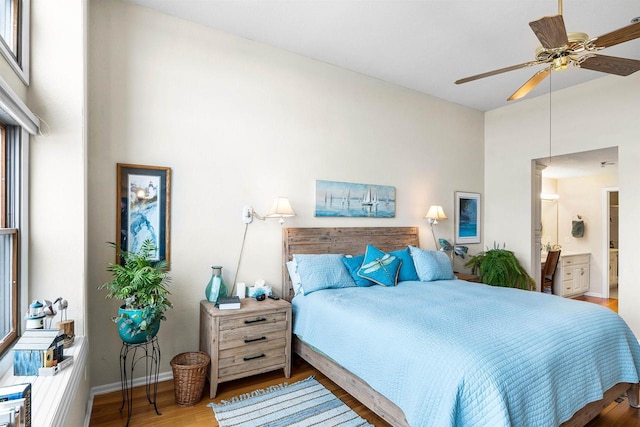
(433, 215)
(281, 208)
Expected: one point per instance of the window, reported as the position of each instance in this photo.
(14, 35)
(9, 229)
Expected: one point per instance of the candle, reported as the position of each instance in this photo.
(241, 289)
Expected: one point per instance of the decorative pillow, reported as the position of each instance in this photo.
(292, 267)
(407, 269)
(431, 265)
(324, 271)
(353, 264)
(380, 267)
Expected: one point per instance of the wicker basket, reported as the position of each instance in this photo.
(189, 374)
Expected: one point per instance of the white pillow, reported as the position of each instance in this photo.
(295, 277)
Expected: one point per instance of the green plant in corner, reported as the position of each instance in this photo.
(500, 267)
(142, 284)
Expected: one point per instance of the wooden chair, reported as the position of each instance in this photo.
(549, 271)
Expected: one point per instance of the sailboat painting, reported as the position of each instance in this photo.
(346, 199)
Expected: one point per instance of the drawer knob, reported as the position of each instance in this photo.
(246, 359)
(259, 319)
(254, 340)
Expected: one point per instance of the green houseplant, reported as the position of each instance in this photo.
(500, 267)
(143, 286)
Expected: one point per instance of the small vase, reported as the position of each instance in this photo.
(216, 287)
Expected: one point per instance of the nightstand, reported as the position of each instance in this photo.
(253, 339)
(468, 277)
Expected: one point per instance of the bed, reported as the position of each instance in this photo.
(385, 388)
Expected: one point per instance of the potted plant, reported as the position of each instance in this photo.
(142, 284)
(500, 267)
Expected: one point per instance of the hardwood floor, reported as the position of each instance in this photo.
(106, 407)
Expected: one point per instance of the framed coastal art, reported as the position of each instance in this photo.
(467, 217)
(346, 199)
(144, 199)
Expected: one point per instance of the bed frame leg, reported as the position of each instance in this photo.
(633, 396)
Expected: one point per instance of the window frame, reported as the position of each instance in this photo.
(19, 61)
(8, 228)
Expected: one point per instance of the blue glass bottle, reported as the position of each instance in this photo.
(216, 287)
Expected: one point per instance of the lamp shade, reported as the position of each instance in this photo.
(435, 213)
(281, 208)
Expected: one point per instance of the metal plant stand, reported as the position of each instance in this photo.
(130, 355)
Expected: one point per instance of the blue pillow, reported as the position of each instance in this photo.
(325, 271)
(431, 265)
(380, 267)
(407, 269)
(353, 264)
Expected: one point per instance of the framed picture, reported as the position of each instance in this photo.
(144, 200)
(467, 217)
(346, 199)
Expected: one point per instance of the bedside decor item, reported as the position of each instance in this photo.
(228, 303)
(346, 199)
(216, 288)
(286, 404)
(143, 209)
(141, 282)
(467, 214)
(500, 267)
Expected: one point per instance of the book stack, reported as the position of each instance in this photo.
(228, 303)
(15, 405)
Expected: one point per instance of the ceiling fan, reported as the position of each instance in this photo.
(559, 49)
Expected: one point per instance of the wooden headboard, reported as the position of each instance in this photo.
(340, 240)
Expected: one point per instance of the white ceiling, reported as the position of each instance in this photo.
(426, 45)
(423, 45)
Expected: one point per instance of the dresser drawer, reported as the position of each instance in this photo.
(575, 259)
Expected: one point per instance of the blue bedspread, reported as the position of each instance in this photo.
(454, 353)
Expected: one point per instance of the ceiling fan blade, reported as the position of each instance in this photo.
(621, 35)
(611, 65)
(551, 31)
(498, 71)
(530, 84)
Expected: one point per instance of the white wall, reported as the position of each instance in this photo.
(598, 114)
(241, 123)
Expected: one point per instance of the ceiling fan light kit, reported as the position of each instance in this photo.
(560, 49)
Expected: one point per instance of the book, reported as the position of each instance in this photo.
(228, 303)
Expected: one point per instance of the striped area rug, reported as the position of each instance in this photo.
(305, 403)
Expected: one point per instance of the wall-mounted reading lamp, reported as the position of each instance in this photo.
(433, 215)
(281, 208)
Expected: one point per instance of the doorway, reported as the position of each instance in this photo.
(580, 187)
(610, 232)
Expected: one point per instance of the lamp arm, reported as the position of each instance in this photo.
(435, 241)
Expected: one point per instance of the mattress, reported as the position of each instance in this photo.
(466, 354)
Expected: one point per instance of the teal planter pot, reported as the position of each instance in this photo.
(129, 321)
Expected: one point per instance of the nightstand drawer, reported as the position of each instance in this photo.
(251, 321)
(252, 338)
(251, 364)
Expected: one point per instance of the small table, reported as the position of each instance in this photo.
(253, 339)
(149, 351)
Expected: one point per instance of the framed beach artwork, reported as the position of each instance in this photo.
(143, 203)
(467, 217)
(346, 199)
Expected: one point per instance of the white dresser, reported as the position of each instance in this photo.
(572, 275)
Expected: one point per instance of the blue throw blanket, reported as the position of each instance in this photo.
(454, 353)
